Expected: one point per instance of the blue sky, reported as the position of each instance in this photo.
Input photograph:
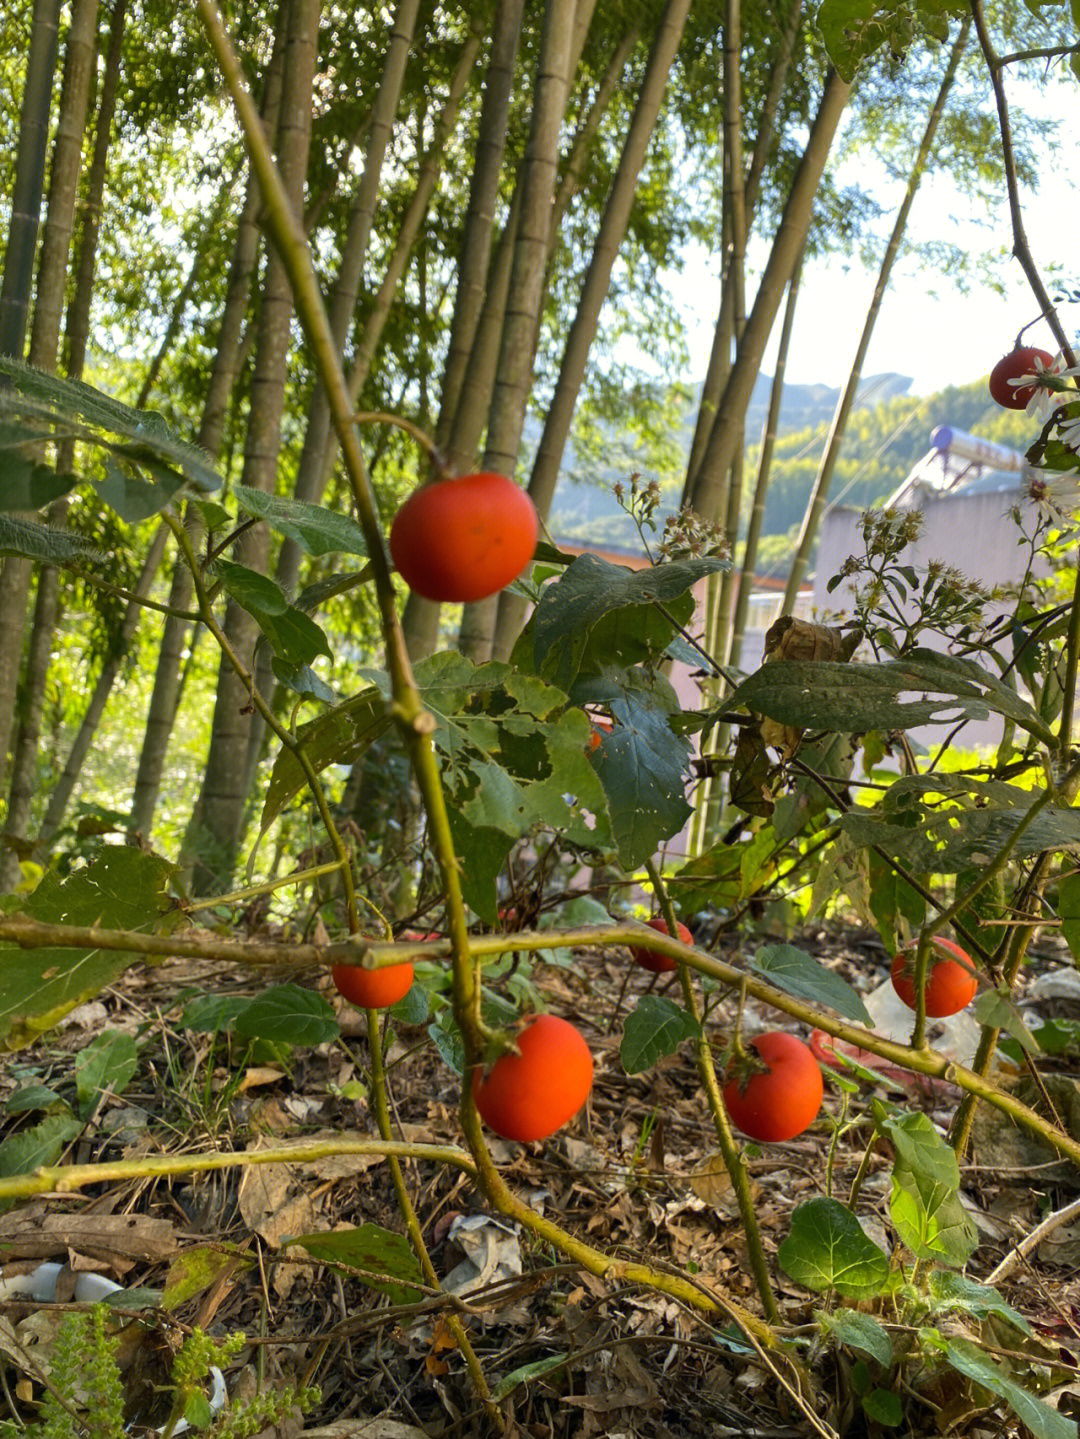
(927, 328)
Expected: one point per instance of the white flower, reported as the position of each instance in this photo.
(1069, 431)
(1058, 490)
(1045, 396)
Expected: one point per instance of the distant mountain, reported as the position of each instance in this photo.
(585, 510)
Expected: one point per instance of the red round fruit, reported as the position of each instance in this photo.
(652, 959)
(1018, 362)
(464, 539)
(780, 1102)
(530, 1095)
(951, 982)
(373, 988)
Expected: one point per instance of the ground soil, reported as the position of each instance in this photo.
(636, 1173)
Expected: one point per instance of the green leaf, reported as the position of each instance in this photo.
(338, 737)
(858, 1331)
(33, 1096)
(925, 1204)
(302, 680)
(194, 1270)
(597, 612)
(27, 484)
(712, 877)
(798, 973)
(892, 898)
(1069, 911)
(854, 29)
(197, 1410)
(653, 1030)
(997, 1011)
(142, 1296)
(212, 1013)
(525, 1372)
(955, 1292)
(106, 1065)
(143, 435)
(43, 1144)
(642, 766)
(288, 1014)
(215, 516)
(318, 531)
(293, 635)
(851, 698)
(512, 759)
(414, 1008)
(123, 888)
(135, 499)
(312, 596)
(28, 540)
(828, 1249)
(884, 1407)
(446, 1037)
(487, 850)
(947, 823)
(374, 1250)
(1045, 1423)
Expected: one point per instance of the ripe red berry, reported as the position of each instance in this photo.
(530, 1095)
(951, 982)
(373, 988)
(652, 959)
(1013, 366)
(464, 539)
(780, 1101)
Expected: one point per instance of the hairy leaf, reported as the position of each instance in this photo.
(317, 530)
(852, 698)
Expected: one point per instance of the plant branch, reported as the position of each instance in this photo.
(70, 1178)
(183, 539)
(1021, 248)
(729, 1148)
(131, 596)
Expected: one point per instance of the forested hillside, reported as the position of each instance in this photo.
(888, 432)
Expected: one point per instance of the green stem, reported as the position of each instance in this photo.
(131, 596)
(412, 1224)
(270, 719)
(269, 886)
(730, 1151)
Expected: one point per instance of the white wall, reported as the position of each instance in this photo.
(972, 532)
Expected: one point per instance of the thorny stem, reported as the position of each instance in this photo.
(1072, 658)
(412, 1224)
(239, 896)
(269, 718)
(33, 934)
(70, 1178)
(730, 1151)
(422, 438)
(407, 709)
(131, 596)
